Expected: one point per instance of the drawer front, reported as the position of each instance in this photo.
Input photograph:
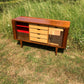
(38, 35)
(55, 31)
(38, 39)
(38, 31)
(38, 27)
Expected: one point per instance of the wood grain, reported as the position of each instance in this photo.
(14, 29)
(38, 35)
(38, 27)
(55, 31)
(65, 38)
(54, 44)
(38, 31)
(38, 39)
(42, 21)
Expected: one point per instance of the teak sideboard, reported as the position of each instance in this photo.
(41, 31)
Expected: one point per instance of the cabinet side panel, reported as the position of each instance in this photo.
(65, 37)
(14, 28)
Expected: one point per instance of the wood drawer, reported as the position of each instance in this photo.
(55, 31)
(38, 31)
(38, 39)
(38, 27)
(39, 35)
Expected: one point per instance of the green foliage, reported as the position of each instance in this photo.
(27, 48)
(2, 46)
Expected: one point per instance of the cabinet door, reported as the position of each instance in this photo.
(22, 31)
(56, 35)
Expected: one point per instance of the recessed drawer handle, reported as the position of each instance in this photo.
(38, 29)
(38, 33)
(38, 38)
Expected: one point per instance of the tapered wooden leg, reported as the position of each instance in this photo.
(56, 49)
(21, 43)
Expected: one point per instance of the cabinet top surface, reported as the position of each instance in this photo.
(42, 21)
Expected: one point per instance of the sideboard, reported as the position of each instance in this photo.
(41, 31)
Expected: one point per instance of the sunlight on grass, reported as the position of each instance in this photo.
(27, 48)
(2, 46)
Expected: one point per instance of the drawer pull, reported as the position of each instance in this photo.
(38, 38)
(38, 29)
(38, 33)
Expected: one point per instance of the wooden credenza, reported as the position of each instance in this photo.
(41, 31)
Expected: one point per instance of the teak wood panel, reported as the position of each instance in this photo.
(38, 31)
(41, 43)
(38, 35)
(42, 21)
(38, 39)
(54, 44)
(38, 27)
(65, 38)
(14, 28)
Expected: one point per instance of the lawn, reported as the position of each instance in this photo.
(37, 64)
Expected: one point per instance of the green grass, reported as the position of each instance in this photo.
(20, 80)
(17, 66)
(2, 46)
(30, 57)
